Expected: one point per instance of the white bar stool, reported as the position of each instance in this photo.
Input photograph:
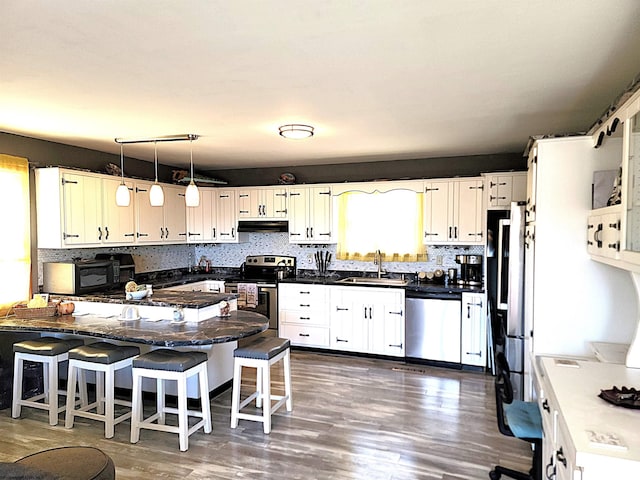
(165, 364)
(104, 359)
(49, 351)
(261, 354)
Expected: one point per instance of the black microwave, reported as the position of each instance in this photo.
(80, 277)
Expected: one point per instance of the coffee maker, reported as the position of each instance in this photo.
(470, 270)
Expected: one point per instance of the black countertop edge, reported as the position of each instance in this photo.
(239, 325)
(412, 286)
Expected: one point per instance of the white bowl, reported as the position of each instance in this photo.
(137, 295)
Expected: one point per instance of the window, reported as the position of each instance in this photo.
(15, 242)
(390, 222)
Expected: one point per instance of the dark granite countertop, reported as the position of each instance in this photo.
(159, 298)
(412, 286)
(163, 333)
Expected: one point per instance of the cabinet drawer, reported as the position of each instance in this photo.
(306, 335)
(295, 296)
(306, 316)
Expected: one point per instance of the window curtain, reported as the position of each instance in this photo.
(15, 242)
(390, 222)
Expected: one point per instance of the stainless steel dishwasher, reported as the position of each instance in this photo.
(432, 330)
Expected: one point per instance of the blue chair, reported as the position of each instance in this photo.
(516, 419)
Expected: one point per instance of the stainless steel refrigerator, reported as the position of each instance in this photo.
(506, 290)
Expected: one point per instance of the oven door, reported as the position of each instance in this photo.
(267, 302)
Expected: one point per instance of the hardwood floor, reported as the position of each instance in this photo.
(353, 418)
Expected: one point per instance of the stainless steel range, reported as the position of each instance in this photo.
(264, 271)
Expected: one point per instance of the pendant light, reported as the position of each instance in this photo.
(123, 197)
(192, 195)
(156, 195)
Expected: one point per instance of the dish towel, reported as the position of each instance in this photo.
(248, 295)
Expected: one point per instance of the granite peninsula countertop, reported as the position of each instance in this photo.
(239, 324)
(160, 298)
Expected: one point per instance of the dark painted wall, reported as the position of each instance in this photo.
(42, 153)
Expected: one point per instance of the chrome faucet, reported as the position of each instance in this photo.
(377, 260)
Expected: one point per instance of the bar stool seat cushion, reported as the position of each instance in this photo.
(14, 471)
(72, 463)
(169, 360)
(46, 346)
(103, 352)
(264, 348)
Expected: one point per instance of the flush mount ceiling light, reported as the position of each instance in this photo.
(156, 194)
(192, 195)
(295, 131)
(123, 197)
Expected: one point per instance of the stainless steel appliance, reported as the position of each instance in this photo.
(127, 268)
(80, 277)
(505, 287)
(470, 270)
(432, 330)
(264, 271)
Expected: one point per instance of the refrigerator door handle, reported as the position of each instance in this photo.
(502, 263)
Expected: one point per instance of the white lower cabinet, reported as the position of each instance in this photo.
(368, 320)
(303, 314)
(473, 339)
(567, 394)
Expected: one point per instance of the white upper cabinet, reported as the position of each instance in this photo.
(166, 224)
(77, 209)
(532, 183)
(311, 215)
(201, 220)
(504, 188)
(226, 216)
(453, 212)
(118, 222)
(262, 203)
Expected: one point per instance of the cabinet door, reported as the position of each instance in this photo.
(320, 215)
(386, 336)
(473, 346)
(275, 202)
(519, 187)
(436, 212)
(594, 235)
(118, 222)
(174, 209)
(82, 200)
(201, 219)
(149, 220)
(227, 222)
(532, 175)
(249, 203)
(467, 222)
(298, 205)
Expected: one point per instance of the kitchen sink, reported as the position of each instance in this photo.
(374, 281)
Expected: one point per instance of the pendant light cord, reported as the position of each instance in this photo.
(122, 163)
(155, 147)
(191, 149)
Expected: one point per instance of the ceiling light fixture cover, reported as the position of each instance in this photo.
(192, 195)
(296, 131)
(123, 197)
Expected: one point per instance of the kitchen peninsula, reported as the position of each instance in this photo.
(216, 336)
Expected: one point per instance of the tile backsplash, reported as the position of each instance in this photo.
(165, 257)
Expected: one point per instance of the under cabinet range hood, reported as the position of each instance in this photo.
(263, 226)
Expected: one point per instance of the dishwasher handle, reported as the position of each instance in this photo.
(433, 295)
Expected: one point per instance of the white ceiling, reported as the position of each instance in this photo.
(379, 79)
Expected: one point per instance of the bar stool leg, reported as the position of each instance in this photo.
(235, 396)
(287, 381)
(52, 385)
(204, 398)
(136, 407)
(160, 400)
(109, 402)
(71, 388)
(100, 389)
(266, 396)
(183, 418)
(259, 383)
(18, 369)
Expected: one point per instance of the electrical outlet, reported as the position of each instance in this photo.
(310, 257)
(439, 260)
